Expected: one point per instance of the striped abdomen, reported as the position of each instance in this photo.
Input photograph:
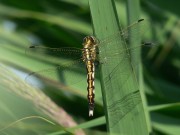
(90, 85)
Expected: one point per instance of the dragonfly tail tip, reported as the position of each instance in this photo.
(90, 113)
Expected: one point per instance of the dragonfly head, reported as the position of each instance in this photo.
(89, 41)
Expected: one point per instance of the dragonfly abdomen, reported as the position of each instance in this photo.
(90, 88)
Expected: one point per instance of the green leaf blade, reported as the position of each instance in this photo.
(122, 101)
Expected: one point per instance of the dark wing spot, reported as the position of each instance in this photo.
(140, 20)
(32, 46)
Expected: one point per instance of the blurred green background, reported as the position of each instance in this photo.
(64, 23)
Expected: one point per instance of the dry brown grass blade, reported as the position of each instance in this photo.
(37, 97)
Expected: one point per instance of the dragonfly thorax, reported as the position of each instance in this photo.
(89, 48)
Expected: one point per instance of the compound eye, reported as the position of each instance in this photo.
(85, 40)
(92, 39)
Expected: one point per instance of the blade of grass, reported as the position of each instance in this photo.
(65, 22)
(122, 100)
(93, 123)
(166, 124)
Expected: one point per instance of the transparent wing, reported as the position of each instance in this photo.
(121, 65)
(66, 74)
(124, 106)
(64, 52)
(60, 64)
(138, 28)
(124, 53)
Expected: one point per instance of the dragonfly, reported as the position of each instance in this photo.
(87, 56)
